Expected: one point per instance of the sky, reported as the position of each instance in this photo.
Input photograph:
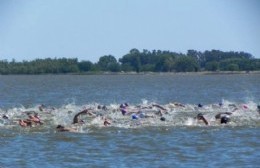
(89, 29)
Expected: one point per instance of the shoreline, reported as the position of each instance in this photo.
(151, 73)
(180, 73)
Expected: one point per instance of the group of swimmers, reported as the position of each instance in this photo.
(33, 119)
(223, 117)
(138, 112)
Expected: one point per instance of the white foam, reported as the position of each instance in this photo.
(175, 116)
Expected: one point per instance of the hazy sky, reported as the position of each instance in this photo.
(89, 29)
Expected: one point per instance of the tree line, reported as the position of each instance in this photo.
(139, 61)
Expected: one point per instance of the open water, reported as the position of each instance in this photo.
(180, 141)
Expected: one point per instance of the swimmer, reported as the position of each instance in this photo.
(5, 117)
(25, 123)
(258, 109)
(76, 117)
(61, 128)
(35, 119)
(144, 115)
(224, 117)
(200, 105)
(106, 122)
(201, 117)
(123, 105)
(176, 104)
(135, 117)
(219, 115)
(163, 119)
(159, 106)
(100, 107)
(124, 111)
(179, 104)
(41, 107)
(159, 113)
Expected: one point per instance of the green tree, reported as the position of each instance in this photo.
(233, 67)
(166, 63)
(212, 66)
(132, 60)
(85, 66)
(186, 64)
(108, 63)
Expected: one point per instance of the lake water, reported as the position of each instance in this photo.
(180, 141)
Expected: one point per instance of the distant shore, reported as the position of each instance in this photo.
(151, 73)
(169, 73)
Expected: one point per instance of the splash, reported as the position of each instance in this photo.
(145, 114)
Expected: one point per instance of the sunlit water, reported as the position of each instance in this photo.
(180, 141)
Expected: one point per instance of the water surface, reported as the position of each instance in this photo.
(181, 141)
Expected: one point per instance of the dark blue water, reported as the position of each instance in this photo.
(157, 145)
(171, 147)
(106, 89)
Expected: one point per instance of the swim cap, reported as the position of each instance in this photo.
(59, 126)
(5, 116)
(224, 120)
(134, 117)
(142, 115)
(162, 119)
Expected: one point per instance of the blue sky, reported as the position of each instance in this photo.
(89, 29)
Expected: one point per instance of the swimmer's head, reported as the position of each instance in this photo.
(5, 117)
(224, 120)
(258, 107)
(163, 119)
(134, 117)
(199, 116)
(104, 107)
(142, 115)
(60, 127)
(200, 105)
